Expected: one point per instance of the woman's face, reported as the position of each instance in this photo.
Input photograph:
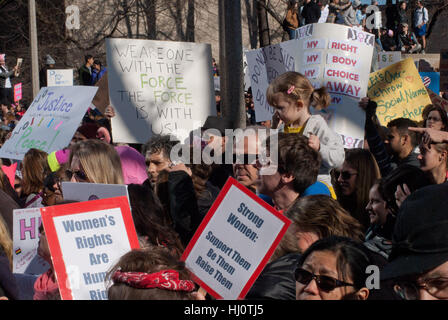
(376, 208)
(347, 179)
(76, 173)
(434, 121)
(430, 158)
(322, 263)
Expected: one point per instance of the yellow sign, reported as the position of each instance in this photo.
(399, 92)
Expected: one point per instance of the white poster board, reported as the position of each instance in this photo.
(159, 87)
(26, 224)
(59, 77)
(264, 65)
(234, 242)
(81, 191)
(50, 121)
(388, 58)
(86, 239)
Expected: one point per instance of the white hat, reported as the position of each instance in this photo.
(49, 60)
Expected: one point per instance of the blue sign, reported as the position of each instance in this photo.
(431, 80)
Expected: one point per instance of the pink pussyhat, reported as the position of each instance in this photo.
(133, 165)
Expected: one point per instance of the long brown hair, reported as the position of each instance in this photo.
(35, 169)
(5, 240)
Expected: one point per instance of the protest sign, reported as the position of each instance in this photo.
(86, 239)
(264, 65)
(17, 92)
(399, 92)
(26, 224)
(437, 100)
(234, 242)
(59, 77)
(443, 68)
(431, 80)
(387, 58)
(80, 191)
(158, 87)
(101, 99)
(50, 121)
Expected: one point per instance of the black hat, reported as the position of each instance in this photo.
(420, 240)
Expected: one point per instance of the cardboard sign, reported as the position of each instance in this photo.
(101, 99)
(59, 77)
(431, 80)
(265, 64)
(92, 191)
(399, 92)
(443, 68)
(159, 87)
(86, 239)
(50, 121)
(388, 58)
(234, 242)
(437, 100)
(18, 92)
(26, 224)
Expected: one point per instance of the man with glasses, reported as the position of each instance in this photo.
(418, 263)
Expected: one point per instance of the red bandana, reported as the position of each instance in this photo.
(165, 279)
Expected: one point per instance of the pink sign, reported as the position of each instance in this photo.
(17, 92)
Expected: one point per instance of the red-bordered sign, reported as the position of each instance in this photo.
(210, 216)
(48, 215)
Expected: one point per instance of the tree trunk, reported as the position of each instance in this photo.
(150, 11)
(125, 6)
(178, 20)
(251, 12)
(190, 21)
(263, 26)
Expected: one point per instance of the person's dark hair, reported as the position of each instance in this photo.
(352, 258)
(297, 158)
(151, 220)
(87, 57)
(160, 143)
(149, 260)
(407, 174)
(98, 62)
(429, 108)
(402, 125)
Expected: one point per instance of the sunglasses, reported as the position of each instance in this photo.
(324, 283)
(79, 175)
(345, 175)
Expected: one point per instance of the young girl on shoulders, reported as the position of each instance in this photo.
(291, 95)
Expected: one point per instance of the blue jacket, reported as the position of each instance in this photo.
(96, 76)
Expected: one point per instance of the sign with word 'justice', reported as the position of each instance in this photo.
(158, 87)
(234, 242)
(86, 239)
(50, 121)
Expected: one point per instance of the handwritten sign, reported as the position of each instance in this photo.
(161, 87)
(50, 121)
(388, 58)
(399, 92)
(234, 242)
(86, 239)
(265, 64)
(92, 191)
(26, 224)
(437, 100)
(431, 80)
(18, 92)
(59, 77)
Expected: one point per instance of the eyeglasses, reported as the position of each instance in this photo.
(409, 290)
(79, 175)
(324, 283)
(345, 175)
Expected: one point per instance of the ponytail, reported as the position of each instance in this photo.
(320, 99)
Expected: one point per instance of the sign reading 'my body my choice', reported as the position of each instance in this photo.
(50, 121)
(158, 87)
(234, 242)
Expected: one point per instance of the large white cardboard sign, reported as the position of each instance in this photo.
(159, 87)
(26, 223)
(80, 191)
(59, 77)
(50, 121)
(234, 242)
(330, 55)
(86, 239)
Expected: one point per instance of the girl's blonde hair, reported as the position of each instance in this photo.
(5, 240)
(99, 160)
(297, 87)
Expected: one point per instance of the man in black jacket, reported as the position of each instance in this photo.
(311, 12)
